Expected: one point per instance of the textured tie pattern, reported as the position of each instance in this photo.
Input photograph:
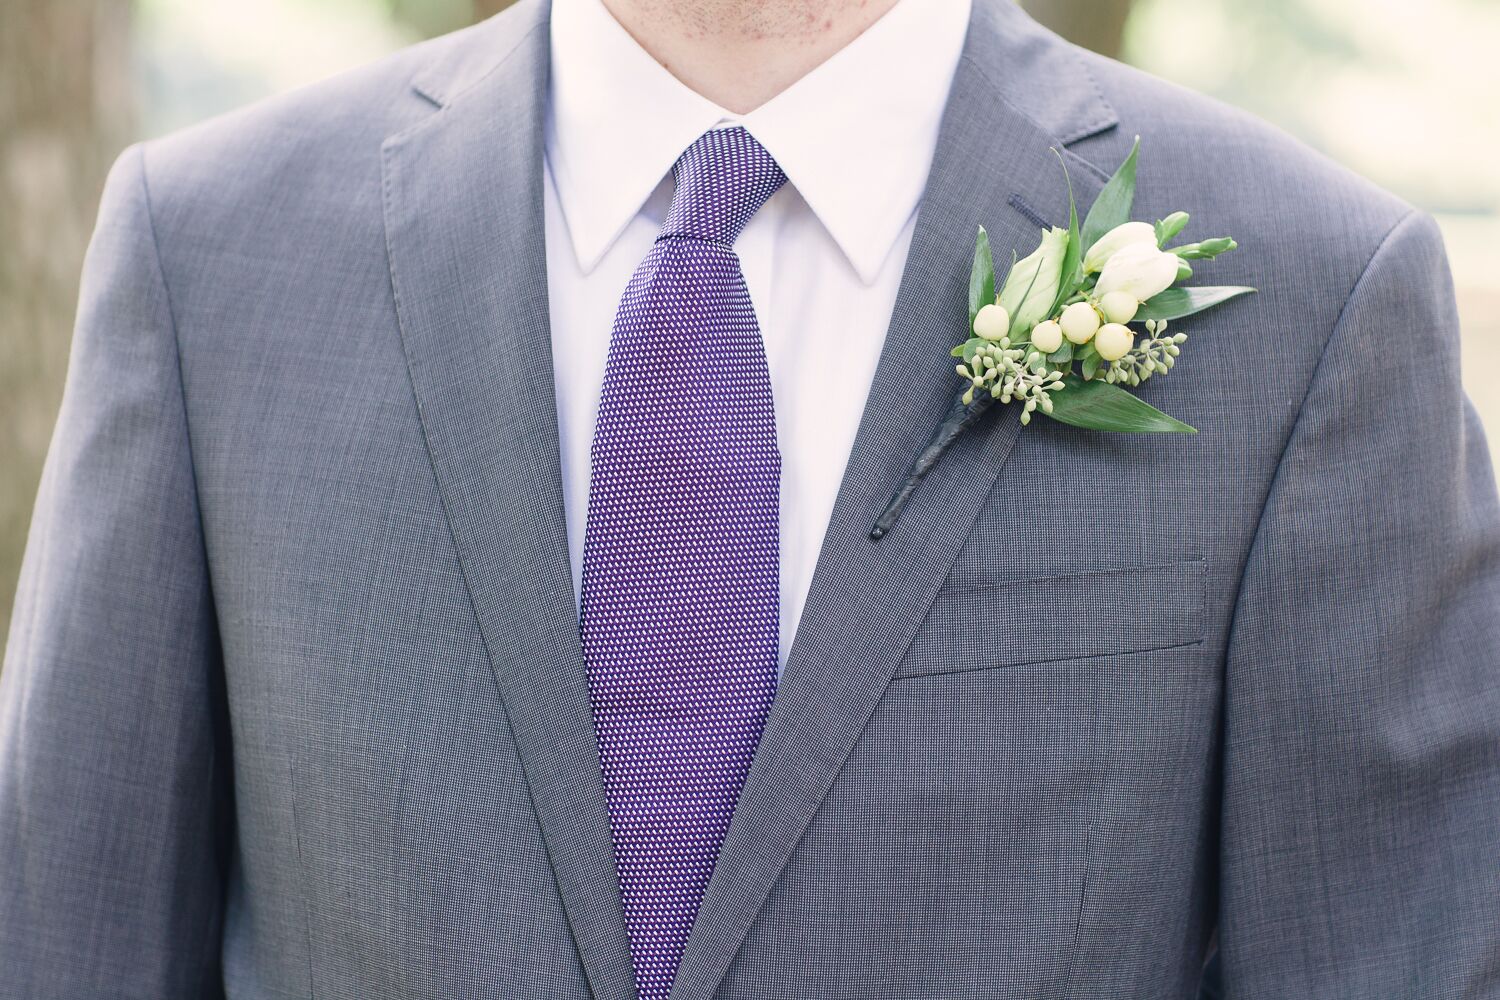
(680, 556)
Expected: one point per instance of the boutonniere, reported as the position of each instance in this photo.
(1076, 324)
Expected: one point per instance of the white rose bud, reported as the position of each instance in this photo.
(1119, 307)
(1114, 341)
(1117, 239)
(1047, 337)
(1138, 270)
(992, 323)
(1079, 322)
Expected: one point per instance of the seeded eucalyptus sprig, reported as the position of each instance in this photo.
(1055, 335)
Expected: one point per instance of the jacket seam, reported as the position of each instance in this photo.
(1271, 492)
(187, 435)
(1301, 407)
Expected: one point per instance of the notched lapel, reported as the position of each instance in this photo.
(465, 236)
(868, 598)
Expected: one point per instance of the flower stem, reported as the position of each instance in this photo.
(960, 418)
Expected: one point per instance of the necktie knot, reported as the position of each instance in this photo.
(722, 180)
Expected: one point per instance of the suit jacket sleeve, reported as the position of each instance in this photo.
(113, 777)
(1360, 850)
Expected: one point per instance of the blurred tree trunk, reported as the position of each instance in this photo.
(64, 114)
(484, 8)
(1094, 24)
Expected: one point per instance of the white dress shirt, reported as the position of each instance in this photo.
(822, 259)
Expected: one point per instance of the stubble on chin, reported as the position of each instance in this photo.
(751, 20)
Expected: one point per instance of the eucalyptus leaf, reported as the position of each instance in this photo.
(1176, 303)
(981, 276)
(1112, 207)
(1099, 406)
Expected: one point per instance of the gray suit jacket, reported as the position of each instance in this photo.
(294, 703)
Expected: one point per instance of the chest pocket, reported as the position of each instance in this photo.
(1055, 618)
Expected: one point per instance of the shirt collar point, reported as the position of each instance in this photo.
(590, 245)
(868, 252)
(864, 220)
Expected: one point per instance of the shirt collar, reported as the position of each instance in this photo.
(855, 136)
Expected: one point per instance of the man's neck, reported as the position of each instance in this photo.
(741, 53)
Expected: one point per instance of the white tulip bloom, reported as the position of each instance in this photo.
(1117, 239)
(1079, 322)
(992, 322)
(1114, 341)
(1139, 270)
(1031, 287)
(1047, 337)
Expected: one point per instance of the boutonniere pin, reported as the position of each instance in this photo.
(1075, 323)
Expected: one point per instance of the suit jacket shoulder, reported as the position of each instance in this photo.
(315, 151)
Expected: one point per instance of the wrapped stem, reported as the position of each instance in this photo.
(960, 418)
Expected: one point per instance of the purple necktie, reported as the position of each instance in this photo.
(680, 554)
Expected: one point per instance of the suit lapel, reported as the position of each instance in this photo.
(868, 598)
(464, 231)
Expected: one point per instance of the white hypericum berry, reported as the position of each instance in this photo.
(1114, 341)
(1119, 307)
(1079, 322)
(992, 322)
(1047, 337)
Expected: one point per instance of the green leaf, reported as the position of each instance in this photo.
(1112, 207)
(981, 276)
(1088, 356)
(1176, 303)
(1062, 356)
(1072, 269)
(1099, 406)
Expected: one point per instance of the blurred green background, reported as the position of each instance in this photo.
(1401, 91)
